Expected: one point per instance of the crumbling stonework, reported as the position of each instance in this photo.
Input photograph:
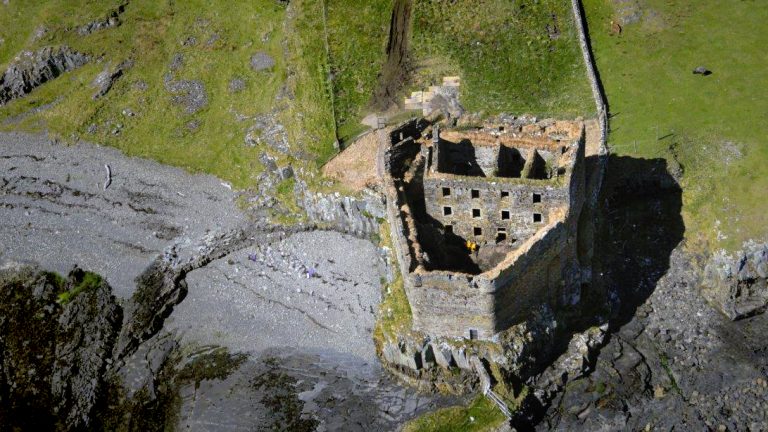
(515, 192)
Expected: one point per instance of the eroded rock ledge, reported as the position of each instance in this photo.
(32, 69)
(738, 283)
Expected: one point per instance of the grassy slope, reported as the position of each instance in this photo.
(152, 34)
(480, 415)
(394, 310)
(503, 52)
(312, 107)
(525, 72)
(357, 40)
(657, 102)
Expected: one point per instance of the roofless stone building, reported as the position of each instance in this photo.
(516, 191)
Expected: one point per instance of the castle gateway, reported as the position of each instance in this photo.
(485, 221)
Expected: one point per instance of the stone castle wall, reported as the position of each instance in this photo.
(518, 206)
(544, 268)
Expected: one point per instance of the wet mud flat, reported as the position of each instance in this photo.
(304, 391)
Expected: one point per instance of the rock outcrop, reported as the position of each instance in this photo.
(355, 215)
(738, 283)
(106, 78)
(112, 19)
(33, 69)
(57, 339)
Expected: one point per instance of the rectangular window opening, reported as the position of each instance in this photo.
(536, 198)
(477, 231)
(537, 217)
(505, 215)
(447, 211)
(475, 213)
(472, 334)
(475, 193)
(446, 191)
(504, 194)
(501, 234)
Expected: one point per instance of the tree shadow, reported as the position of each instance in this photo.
(637, 225)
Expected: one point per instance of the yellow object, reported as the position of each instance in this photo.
(472, 246)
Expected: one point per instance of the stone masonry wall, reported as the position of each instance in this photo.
(518, 206)
(450, 304)
(542, 270)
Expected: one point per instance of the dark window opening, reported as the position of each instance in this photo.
(472, 334)
(536, 198)
(537, 217)
(447, 211)
(504, 194)
(475, 213)
(475, 193)
(449, 229)
(584, 288)
(501, 235)
(478, 231)
(505, 215)
(446, 191)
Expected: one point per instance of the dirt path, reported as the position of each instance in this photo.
(355, 167)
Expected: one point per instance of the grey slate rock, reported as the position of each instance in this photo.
(30, 70)
(106, 78)
(262, 61)
(701, 70)
(190, 94)
(236, 85)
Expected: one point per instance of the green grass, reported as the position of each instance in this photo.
(657, 103)
(152, 34)
(312, 109)
(394, 316)
(293, 213)
(480, 415)
(90, 281)
(357, 40)
(318, 92)
(504, 55)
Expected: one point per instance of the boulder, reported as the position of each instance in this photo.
(737, 283)
(442, 355)
(701, 70)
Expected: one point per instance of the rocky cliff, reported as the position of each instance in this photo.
(57, 339)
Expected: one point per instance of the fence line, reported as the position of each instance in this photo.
(485, 383)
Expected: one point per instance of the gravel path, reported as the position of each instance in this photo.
(54, 209)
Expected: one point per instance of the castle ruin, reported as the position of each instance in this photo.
(484, 221)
